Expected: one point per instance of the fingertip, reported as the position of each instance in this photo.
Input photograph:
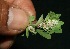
(9, 1)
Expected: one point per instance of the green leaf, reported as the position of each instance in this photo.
(31, 18)
(50, 31)
(40, 20)
(58, 15)
(58, 28)
(47, 17)
(61, 22)
(58, 31)
(34, 33)
(27, 32)
(45, 35)
(52, 15)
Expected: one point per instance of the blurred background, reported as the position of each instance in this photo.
(58, 41)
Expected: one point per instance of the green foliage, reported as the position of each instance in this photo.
(52, 15)
(54, 25)
(31, 18)
(50, 31)
(56, 28)
(45, 35)
(27, 32)
(40, 20)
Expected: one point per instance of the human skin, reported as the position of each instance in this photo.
(21, 10)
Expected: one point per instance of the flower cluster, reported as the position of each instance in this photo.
(32, 29)
(45, 27)
(49, 24)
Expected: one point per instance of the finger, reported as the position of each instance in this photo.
(9, 1)
(18, 20)
(21, 12)
(5, 30)
(3, 18)
(6, 42)
(26, 5)
(23, 4)
(20, 17)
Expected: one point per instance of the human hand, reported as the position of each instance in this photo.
(16, 20)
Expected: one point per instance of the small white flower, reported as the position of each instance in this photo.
(47, 27)
(31, 28)
(49, 23)
(40, 25)
(55, 21)
(44, 26)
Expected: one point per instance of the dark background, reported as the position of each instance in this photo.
(58, 41)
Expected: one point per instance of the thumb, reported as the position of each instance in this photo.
(19, 12)
(18, 19)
